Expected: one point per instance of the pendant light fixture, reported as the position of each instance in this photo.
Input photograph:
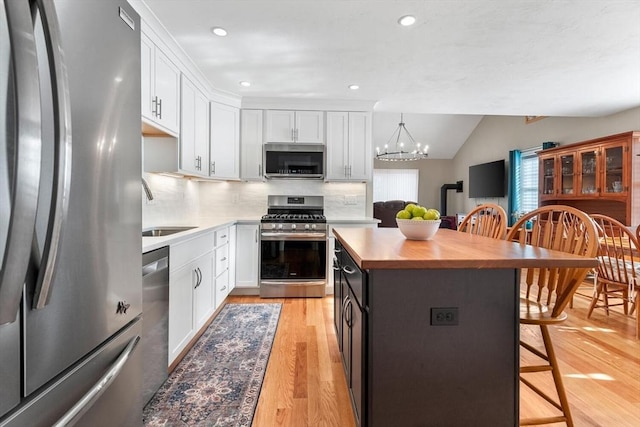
(405, 148)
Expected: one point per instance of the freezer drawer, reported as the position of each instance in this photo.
(119, 405)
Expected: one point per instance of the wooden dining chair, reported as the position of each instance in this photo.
(549, 290)
(618, 266)
(489, 220)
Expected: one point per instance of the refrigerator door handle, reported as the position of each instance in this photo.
(62, 155)
(84, 404)
(24, 164)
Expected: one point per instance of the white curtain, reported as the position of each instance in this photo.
(395, 184)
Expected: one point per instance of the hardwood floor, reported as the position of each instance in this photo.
(305, 384)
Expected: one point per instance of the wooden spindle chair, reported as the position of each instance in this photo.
(618, 266)
(549, 290)
(489, 220)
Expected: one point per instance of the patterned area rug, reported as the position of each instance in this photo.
(219, 380)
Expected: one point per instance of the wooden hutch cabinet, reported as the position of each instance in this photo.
(597, 176)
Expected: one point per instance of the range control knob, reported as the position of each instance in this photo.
(279, 226)
(306, 226)
(273, 226)
(313, 226)
(293, 226)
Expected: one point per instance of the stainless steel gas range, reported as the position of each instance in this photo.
(293, 247)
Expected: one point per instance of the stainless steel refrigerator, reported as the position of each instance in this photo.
(70, 213)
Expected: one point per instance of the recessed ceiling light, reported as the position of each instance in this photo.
(218, 31)
(407, 20)
(354, 87)
(245, 84)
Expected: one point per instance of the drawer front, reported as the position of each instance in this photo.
(222, 287)
(222, 259)
(222, 236)
(188, 250)
(355, 278)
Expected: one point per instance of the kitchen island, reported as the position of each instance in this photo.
(429, 330)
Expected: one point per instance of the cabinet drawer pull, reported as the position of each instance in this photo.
(223, 259)
(223, 288)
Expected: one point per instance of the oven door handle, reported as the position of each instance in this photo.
(293, 236)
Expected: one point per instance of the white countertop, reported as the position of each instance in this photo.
(151, 243)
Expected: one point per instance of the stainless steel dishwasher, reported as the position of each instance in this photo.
(155, 320)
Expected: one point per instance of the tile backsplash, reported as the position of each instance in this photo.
(182, 201)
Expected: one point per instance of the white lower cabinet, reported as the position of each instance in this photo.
(247, 255)
(203, 291)
(190, 290)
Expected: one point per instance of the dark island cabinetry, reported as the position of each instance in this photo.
(429, 330)
(349, 324)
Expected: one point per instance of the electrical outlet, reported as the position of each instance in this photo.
(444, 316)
(350, 200)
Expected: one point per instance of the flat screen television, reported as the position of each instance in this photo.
(487, 180)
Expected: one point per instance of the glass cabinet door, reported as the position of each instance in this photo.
(567, 174)
(588, 183)
(613, 177)
(548, 174)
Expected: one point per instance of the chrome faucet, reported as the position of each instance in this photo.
(147, 190)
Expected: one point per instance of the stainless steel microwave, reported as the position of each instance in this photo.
(294, 161)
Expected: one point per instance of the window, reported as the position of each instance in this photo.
(528, 180)
(395, 184)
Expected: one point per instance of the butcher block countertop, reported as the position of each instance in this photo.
(387, 248)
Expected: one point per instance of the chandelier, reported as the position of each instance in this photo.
(405, 149)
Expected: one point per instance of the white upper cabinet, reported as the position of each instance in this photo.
(349, 146)
(225, 142)
(194, 130)
(160, 88)
(251, 144)
(295, 126)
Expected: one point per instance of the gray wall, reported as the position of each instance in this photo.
(496, 135)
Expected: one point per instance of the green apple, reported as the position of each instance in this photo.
(403, 214)
(410, 208)
(419, 211)
(417, 218)
(431, 214)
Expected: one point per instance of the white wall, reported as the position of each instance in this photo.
(495, 136)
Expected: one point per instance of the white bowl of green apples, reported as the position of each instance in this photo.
(417, 222)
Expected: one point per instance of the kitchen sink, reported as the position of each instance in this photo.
(163, 231)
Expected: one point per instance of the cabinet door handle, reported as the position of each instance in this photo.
(195, 162)
(256, 234)
(223, 259)
(348, 269)
(223, 236)
(223, 288)
(198, 277)
(154, 106)
(348, 317)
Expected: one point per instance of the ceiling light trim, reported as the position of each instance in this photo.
(407, 20)
(219, 31)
